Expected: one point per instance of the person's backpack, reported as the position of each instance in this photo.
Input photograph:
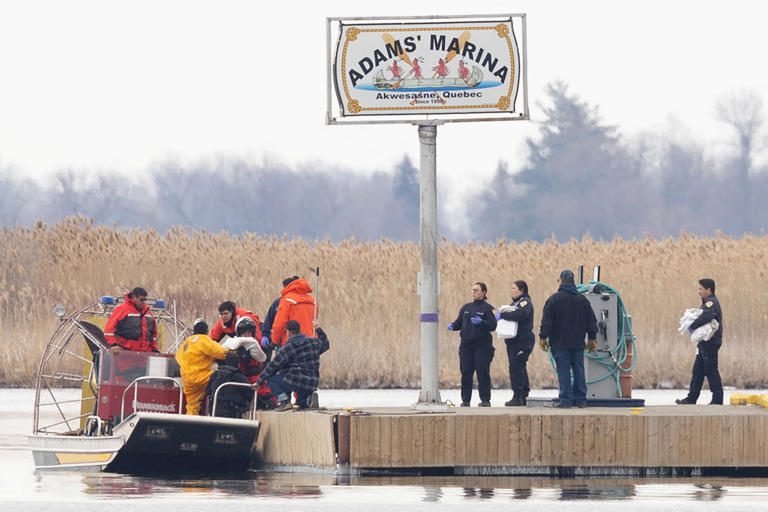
(232, 401)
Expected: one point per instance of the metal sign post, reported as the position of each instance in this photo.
(430, 392)
(427, 71)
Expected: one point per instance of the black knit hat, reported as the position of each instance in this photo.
(200, 327)
(138, 292)
(292, 326)
(566, 276)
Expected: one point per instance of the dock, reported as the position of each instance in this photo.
(654, 440)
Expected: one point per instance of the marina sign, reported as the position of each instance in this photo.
(419, 66)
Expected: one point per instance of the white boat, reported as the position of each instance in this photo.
(381, 82)
(122, 412)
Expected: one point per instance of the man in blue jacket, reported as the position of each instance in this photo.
(567, 320)
(705, 364)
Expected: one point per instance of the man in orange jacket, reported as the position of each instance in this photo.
(296, 303)
(131, 325)
(229, 314)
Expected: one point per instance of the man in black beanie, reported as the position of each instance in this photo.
(196, 356)
(566, 321)
(296, 367)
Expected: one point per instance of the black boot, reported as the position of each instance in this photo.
(525, 397)
(717, 398)
(685, 401)
(517, 400)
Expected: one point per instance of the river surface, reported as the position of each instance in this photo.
(22, 489)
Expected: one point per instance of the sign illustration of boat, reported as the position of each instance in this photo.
(121, 411)
(381, 82)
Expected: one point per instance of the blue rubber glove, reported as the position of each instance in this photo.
(264, 342)
(498, 316)
(450, 326)
(475, 320)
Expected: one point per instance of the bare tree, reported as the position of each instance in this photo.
(743, 111)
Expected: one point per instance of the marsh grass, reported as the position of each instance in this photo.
(367, 293)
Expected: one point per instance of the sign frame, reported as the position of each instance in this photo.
(336, 116)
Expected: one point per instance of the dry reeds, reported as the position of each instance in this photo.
(367, 294)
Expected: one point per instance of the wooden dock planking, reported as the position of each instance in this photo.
(403, 438)
(296, 440)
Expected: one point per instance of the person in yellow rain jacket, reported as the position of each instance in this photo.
(196, 356)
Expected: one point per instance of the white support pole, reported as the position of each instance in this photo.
(430, 393)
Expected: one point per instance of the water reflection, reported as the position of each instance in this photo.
(433, 494)
(349, 493)
(708, 492)
(481, 492)
(112, 485)
(599, 490)
(593, 489)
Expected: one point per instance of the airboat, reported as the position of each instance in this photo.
(101, 410)
(473, 80)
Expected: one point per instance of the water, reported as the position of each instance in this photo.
(439, 88)
(22, 489)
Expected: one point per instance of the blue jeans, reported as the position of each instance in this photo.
(282, 390)
(570, 363)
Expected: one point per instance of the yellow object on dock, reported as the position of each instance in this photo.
(762, 401)
(744, 398)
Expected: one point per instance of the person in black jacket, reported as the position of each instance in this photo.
(232, 401)
(519, 348)
(705, 364)
(566, 321)
(476, 322)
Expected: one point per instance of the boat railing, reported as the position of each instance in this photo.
(94, 426)
(238, 384)
(135, 385)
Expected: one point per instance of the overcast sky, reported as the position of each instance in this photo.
(118, 86)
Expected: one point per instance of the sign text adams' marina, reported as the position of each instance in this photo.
(427, 68)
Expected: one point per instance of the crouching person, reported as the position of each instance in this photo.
(296, 367)
(196, 356)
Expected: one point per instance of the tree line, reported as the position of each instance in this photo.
(581, 176)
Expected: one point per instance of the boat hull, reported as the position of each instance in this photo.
(152, 443)
(77, 453)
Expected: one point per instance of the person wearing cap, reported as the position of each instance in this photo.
(706, 363)
(131, 325)
(476, 322)
(229, 314)
(269, 320)
(296, 367)
(297, 304)
(196, 356)
(567, 320)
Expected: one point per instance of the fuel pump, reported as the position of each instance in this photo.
(609, 367)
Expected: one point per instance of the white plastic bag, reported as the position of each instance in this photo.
(249, 344)
(702, 333)
(506, 329)
(705, 332)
